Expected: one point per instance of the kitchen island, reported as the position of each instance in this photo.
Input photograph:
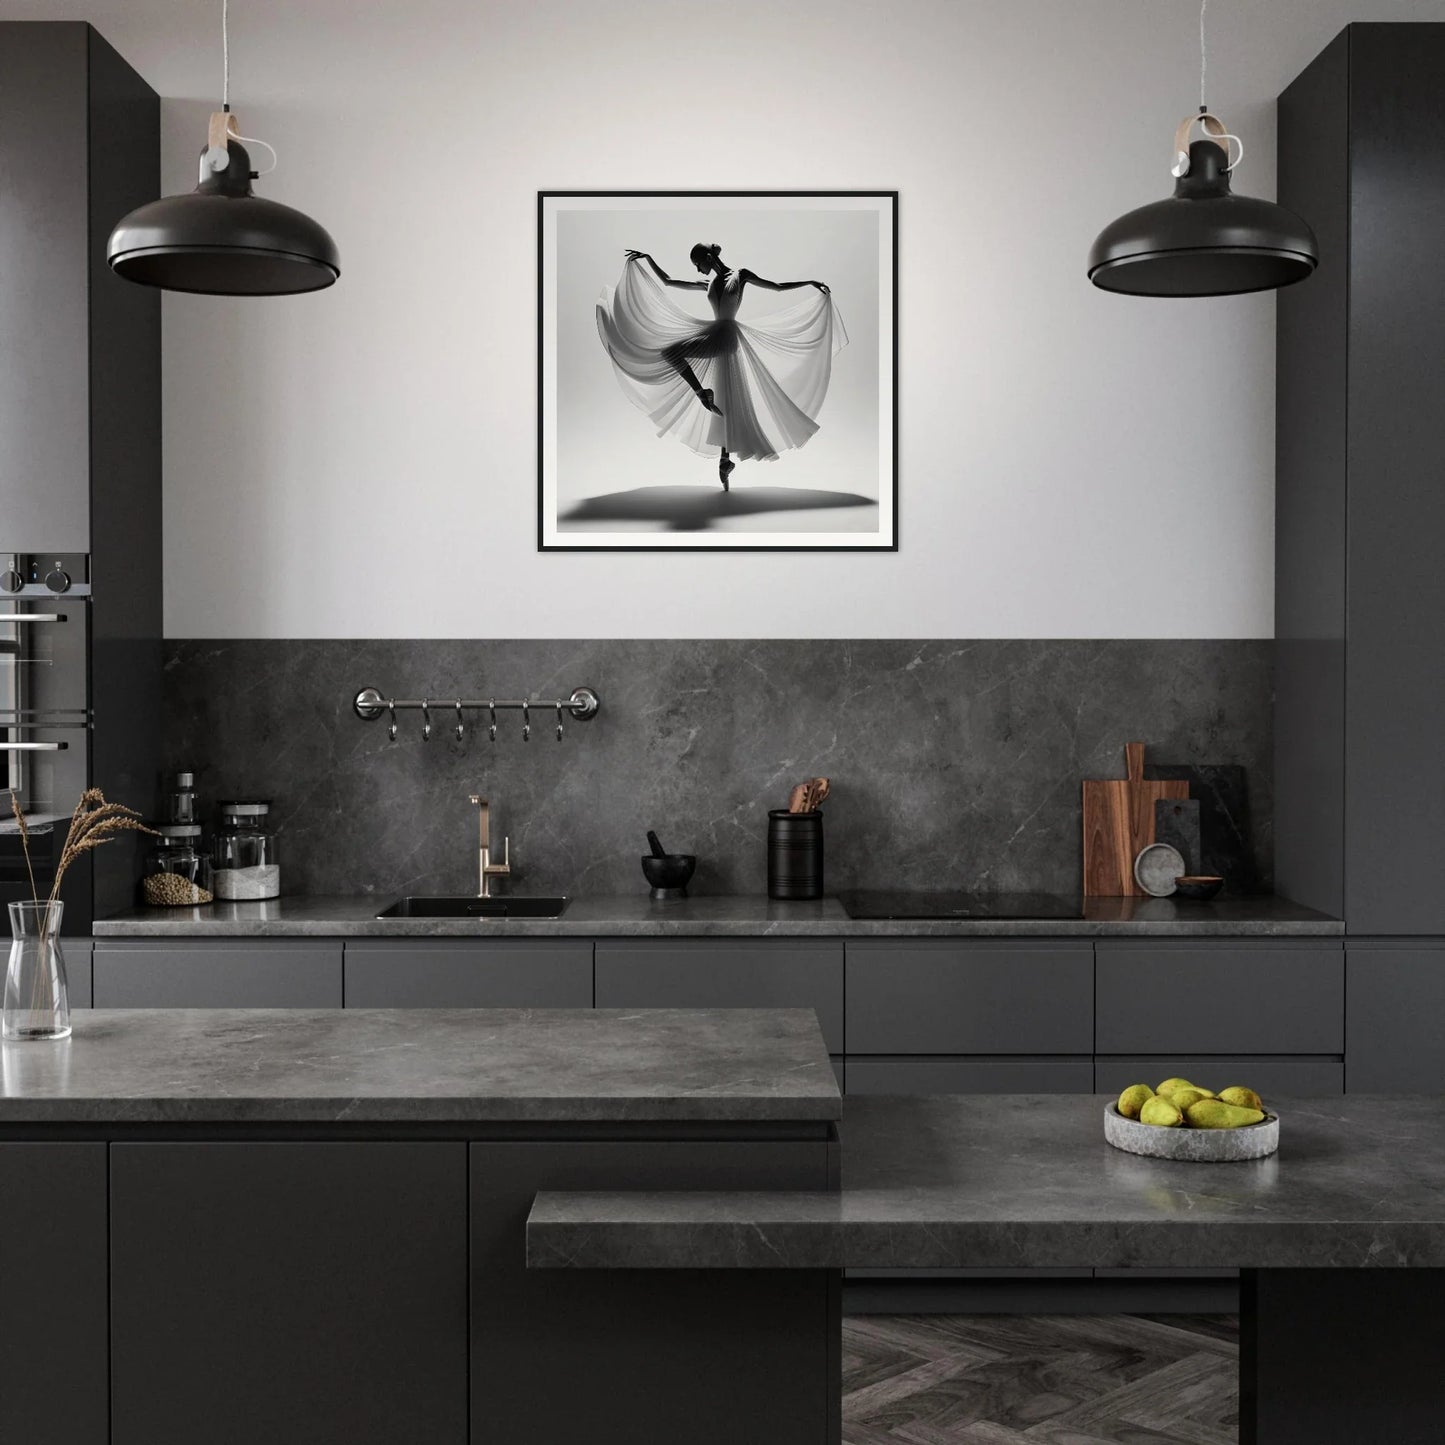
(1341, 1235)
(309, 1225)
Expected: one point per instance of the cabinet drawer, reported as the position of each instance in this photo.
(200, 973)
(970, 1076)
(1396, 1003)
(944, 997)
(288, 1292)
(519, 973)
(77, 953)
(1299, 1078)
(708, 973)
(1167, 998)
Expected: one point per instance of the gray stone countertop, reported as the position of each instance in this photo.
(1028, 1181)
(422, 1066)
(720, 916)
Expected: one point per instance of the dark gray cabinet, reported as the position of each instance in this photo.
(318, 1287)
(1395, 1005)
(77, 970)
(970, 1076)
(80, 418)
(722, 973)
(922, 1015)
(950, 996)
(45, 391)
(53, 1268)
(1159, 996)
(1360, 690)
(707, 1357)
(502, 973)
(207, 973)
(83, 148)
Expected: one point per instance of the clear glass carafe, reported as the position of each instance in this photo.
(37, 1000)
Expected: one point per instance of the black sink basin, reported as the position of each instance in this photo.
(475, 908)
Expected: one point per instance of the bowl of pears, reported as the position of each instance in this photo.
(1182, 1120)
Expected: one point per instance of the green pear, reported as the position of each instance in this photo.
(1183, 1098)
(1169, 1086)
(1160, 1111)
(1215, 1114)
(1244, 1098)
(1133, 1099)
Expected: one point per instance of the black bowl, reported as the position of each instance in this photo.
(669, 874)
(1198, 886)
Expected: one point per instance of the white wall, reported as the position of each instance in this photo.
(362, 462)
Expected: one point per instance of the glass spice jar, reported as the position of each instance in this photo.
(245, 864)
(177, 869)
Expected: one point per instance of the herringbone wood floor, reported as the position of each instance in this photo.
(1040, 1380)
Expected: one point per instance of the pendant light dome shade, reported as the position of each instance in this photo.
(224, 240)
(1203, 240)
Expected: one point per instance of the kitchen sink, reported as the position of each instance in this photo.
(474, 907)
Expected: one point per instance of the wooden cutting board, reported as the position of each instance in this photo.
(1118, 822)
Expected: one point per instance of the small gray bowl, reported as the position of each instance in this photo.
(1192, 1146)
(1156, 868)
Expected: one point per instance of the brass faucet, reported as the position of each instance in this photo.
(486, 869)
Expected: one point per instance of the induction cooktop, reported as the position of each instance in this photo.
(868, 904)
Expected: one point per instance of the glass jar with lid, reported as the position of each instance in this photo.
(178, 798)
(245, 865)
(177, 869)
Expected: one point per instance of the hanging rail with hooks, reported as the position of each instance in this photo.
(369, 704)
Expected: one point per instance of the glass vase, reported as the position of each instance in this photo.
(37, 1000)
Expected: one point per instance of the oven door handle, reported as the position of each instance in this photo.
(33, 747)
(32, 617)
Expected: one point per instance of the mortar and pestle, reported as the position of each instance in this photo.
(667, 872)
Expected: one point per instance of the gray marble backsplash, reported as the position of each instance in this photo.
(954, 764)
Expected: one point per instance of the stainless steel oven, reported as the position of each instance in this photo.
(45, 722)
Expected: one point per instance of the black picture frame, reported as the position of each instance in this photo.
(891, 545)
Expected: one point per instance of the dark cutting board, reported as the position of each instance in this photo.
(1176, 822)
(1226, 836)
(1119, 822)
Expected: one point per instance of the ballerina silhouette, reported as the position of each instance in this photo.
(761, 384)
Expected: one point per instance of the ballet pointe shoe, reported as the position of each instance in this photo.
(725, 470)
(704, 395)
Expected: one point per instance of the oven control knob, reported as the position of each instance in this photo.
(11, 581)
(58, 580)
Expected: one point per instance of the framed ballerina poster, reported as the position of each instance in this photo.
(717, 370)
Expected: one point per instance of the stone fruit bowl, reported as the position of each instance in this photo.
(1195, 1146)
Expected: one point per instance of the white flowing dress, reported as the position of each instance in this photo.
(768, 377)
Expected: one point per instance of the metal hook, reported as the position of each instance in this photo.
(492, 730)
(391, 708)
(559, 722)
(526, 722)
(426, 719)
(461, 725)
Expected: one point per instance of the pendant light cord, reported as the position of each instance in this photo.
(1203, 55)
(226, 90)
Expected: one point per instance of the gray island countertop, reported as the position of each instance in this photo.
(423, 1066)
(721, 916)
(1028, 1182)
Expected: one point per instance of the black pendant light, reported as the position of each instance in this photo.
(1203, 240)
(222, 239)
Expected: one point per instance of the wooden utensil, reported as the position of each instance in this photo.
(805, 797)
(1119, 822)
